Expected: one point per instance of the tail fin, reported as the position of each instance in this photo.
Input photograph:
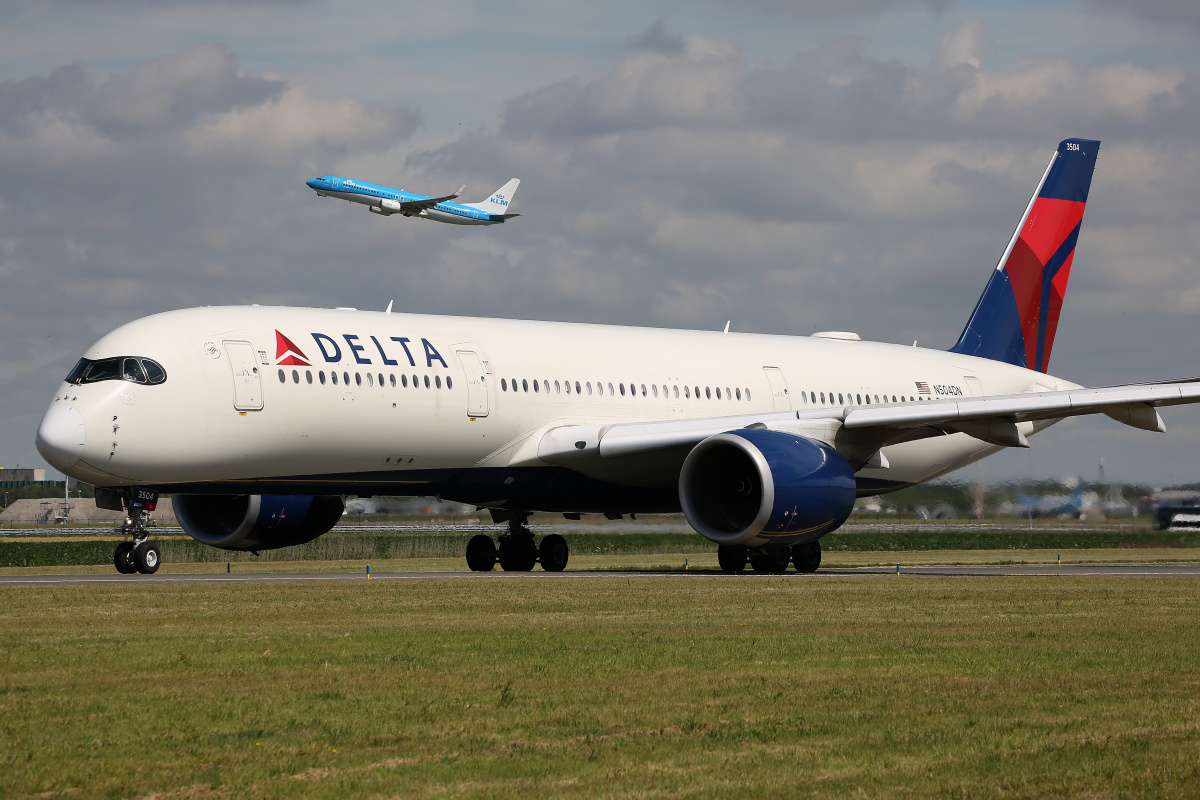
(497, 204)
(1017, 316)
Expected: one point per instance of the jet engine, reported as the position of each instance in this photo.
(255, 522)
(754, 487)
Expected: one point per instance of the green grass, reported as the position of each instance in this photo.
(759, 686)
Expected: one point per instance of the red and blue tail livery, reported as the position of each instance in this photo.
(1017, 316)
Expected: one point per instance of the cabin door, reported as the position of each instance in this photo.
(477, 388)
(779, 391)
(247, 382)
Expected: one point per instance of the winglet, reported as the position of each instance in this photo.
(461, 189)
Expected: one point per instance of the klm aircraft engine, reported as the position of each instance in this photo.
(762, 487)
(256, 522)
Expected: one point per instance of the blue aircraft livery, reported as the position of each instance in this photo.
(386, 201)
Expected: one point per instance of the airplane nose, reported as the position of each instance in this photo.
(313, 184)
(60, 436)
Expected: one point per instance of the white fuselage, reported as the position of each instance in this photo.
(416, 394)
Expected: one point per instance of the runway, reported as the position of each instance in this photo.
(1171, 570)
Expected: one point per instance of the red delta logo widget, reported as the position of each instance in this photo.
(286, 352)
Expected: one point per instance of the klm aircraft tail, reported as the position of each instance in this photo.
(1016, 318)
(497, 204)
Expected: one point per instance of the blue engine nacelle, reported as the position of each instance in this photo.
(757, 487)
(255, 522)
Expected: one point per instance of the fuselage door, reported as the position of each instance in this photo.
(247, 382)
(779, 390)
(477, 388)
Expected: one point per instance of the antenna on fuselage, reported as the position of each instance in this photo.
(726, 326)
(389, 308)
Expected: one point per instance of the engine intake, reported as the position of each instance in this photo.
(255, 522)
(755, 487)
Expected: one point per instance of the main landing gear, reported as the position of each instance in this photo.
(140, 555)
(517, 551)
(773, 558)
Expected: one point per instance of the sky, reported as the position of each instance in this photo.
(788, 165)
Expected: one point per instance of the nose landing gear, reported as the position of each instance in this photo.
(516, 550)
(140, 555)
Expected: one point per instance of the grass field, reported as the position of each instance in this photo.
(766, 686)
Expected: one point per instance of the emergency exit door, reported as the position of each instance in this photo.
(477, 388)
(779, 391)
(247, 382)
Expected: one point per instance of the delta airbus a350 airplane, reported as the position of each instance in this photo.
(259, 420)
(385, 201)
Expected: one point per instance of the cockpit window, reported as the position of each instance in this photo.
(132, 371)
(123, 368)
(154, 372)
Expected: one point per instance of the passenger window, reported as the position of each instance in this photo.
(841, 402)
(535, 386)
(567, 386)
(599, 388)
(676, 392)
(655, 388)
(308, 375)
(295, 376)
(747, 394)
(858, 399)
(503, 385)
(438, 381)
(697, 389)
(392, 380)
(426, 381)
(622, 389)
(589, 387)
(404, 381)
(728, 394)
(282, 377)
(370, 380)
(687, 392)
(449, 383)
(333, 378)
(381, 380)
(546, 386)
(718, 392)
(610, 391)
(525, 384)
(346, 378)
(707, 393)
(557, 388)
(321, 377)
(577, 388)
(739, 394)
(357, 379)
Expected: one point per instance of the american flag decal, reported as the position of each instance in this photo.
(922, 387)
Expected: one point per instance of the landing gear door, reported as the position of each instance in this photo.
(779, 391)
(477, 388)
(247, 382)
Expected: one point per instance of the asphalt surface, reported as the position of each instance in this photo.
(1174, 570)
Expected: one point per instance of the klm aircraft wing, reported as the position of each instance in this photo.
(859, 432)
(416, 206)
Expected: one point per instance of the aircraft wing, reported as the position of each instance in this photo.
(415, 206)
(859, 432)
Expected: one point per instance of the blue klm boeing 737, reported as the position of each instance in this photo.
(385, 201)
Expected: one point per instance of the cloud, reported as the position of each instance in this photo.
(1173, 13)
(830, 9)
(685, 186)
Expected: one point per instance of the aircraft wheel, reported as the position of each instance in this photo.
(518, 554)
(731, 557)
(123, 559)
(553, 553)
(147, 558)
(807, 557)
(481, 553)
(772, 558)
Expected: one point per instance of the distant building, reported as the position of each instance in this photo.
(22, 475)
